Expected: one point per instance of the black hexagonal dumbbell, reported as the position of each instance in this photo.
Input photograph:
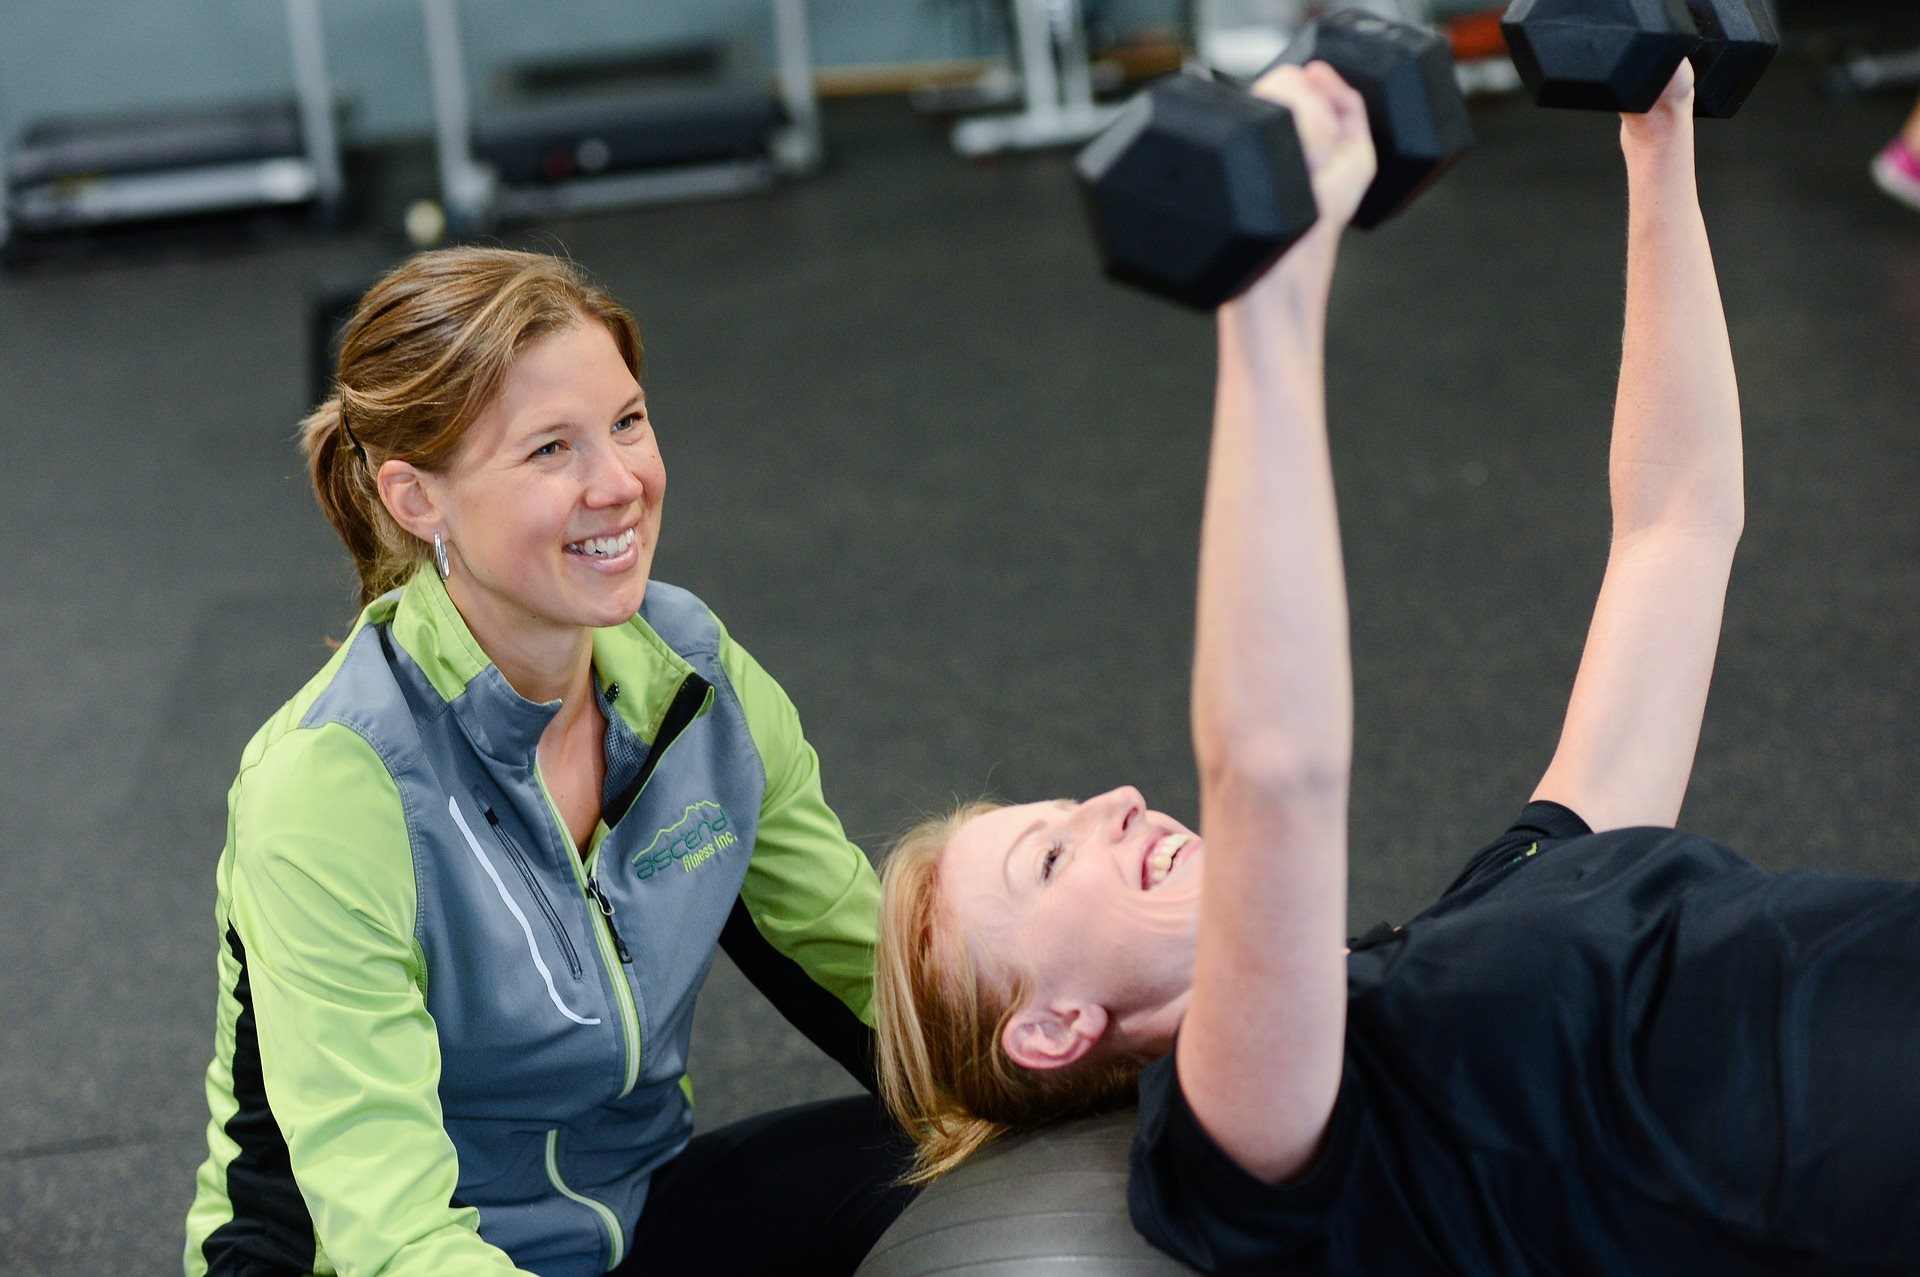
(1199, 186)
(1737, 44)
(1618, 55)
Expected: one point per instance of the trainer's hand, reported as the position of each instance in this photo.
(1331, 117)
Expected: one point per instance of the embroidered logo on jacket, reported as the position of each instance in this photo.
(699, 835)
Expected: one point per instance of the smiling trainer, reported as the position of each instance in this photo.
(477, 868)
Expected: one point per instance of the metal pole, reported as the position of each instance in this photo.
(1076, 68)
(6, 173)
(314, 89)
(464, 189)
(1031, 28)
(801, 145)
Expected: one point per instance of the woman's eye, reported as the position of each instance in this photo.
(549, 449)
(1052, 854)
(632, 421)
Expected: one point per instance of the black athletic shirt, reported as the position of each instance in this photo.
(1620, 1053)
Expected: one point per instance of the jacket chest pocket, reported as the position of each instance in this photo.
(543, 903)
(514, 940)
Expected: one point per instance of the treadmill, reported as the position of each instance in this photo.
(525, 161)
(67, 178)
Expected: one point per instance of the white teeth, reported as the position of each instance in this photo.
(1160, 863)
(603, 547)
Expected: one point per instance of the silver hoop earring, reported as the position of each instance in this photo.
(440, 556)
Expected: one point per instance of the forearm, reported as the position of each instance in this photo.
(1272, 689)
(1259, 1048)
(1676, 456)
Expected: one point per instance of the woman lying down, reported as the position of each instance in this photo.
(1609, 1047)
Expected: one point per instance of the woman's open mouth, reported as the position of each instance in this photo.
(1159, 862)
(604, 548)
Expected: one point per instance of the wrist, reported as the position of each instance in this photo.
(1300, 281)
(1276, 339)
(1661, 160)
(1665, 130)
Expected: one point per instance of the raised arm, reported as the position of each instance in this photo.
(1633, 723)
(1261, 1046)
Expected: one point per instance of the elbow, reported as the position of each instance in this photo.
(1277, 769)
(1718, 524)
(1704, 503)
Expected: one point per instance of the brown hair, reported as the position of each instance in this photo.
(944, 1074)
(424, 353)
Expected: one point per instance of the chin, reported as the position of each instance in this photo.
(618, 607)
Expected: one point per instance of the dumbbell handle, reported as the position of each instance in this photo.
(1394, 67)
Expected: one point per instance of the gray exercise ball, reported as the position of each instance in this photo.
(1054, 1202)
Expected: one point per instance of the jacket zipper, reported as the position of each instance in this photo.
(606, 911)
(614, 954)
(603, 941)
(539, 894)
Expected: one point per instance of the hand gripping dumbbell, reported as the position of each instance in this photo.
(1198, 186)
(1618, 55)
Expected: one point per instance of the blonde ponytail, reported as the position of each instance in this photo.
(343, 482)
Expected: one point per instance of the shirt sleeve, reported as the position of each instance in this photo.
(1539, 824)
(811, 896)
(1193, 1201)
(322, 904)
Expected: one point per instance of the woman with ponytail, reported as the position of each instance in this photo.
(477, 869)
(1609, 1047)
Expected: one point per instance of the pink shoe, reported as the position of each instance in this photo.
(1896, 170)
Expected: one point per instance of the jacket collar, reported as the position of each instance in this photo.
(502, 723)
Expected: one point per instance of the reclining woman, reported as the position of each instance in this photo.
(477, 868)
(1609, 1047)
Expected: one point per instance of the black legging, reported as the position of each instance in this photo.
(807, 1189)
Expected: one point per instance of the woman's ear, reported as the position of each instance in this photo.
(1054, 1036)
(405, 492)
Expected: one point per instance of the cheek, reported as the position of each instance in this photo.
(533, 516)
(1072, 926)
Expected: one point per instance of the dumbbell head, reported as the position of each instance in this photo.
(1737, 44)
(1414, 108)
(1609, 55)
(1196, 189)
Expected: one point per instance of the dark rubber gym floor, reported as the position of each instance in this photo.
(944, 481)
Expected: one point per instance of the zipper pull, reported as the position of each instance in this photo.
(599, 896)
(606, 911)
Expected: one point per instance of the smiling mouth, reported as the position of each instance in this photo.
(603, 547)
(1159, 862)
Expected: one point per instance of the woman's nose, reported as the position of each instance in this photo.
(613, 481)
(1118, 809)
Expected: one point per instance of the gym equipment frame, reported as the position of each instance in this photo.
(481, 185)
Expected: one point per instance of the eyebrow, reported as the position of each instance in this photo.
(1006, 866)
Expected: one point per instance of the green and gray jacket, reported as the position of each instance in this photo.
(446, 1041)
